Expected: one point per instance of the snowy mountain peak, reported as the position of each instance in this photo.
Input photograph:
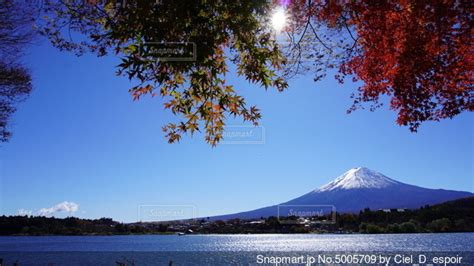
(360, 177)
(355, 190)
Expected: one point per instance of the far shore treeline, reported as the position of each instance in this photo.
(452, 216)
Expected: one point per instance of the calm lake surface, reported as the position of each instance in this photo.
(271, 242)
(148, 249)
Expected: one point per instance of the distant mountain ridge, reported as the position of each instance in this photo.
(361, 188)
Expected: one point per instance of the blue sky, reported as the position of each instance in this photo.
(80, 138)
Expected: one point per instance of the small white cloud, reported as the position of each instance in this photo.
(64, 206)
(24, 212)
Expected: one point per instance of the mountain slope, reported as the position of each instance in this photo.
(361, 188)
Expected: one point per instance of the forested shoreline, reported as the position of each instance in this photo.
(452, 216)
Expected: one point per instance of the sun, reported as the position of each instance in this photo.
(279, 19)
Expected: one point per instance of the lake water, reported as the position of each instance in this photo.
(226, 249)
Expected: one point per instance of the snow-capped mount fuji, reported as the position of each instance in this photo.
(359, 177)
(361, 188)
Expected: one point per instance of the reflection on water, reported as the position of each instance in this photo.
(271, 242)
(229, 249)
